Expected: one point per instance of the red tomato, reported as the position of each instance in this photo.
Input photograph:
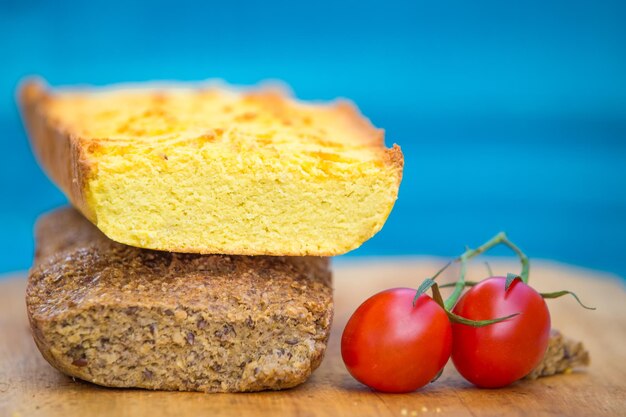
(392, 346)
(499, 354)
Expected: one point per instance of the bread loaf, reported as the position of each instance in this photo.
(120, 316)
(213, 170)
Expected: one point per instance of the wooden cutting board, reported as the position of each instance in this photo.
(30, 387)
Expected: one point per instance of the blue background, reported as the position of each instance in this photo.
(512, 115)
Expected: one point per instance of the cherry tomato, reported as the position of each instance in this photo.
(499, 354)
(392, 346)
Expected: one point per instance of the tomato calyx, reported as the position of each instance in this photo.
(424, 286)
(509, 280)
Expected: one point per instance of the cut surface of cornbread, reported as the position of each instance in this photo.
(211, 169)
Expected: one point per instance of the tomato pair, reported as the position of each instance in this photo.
(393, 345)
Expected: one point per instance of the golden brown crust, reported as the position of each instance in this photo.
(395, 158)
(373, 136)
(61, 155)
(34, 96)
(127, 317)
(63, 152)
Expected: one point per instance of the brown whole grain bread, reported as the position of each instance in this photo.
(120, 316)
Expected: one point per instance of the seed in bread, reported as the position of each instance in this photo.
(213, 170)
(120, 316)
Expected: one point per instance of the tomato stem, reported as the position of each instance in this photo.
(456, 318)
(558, 294)
(437, 295)
(452, 284)
(469, 253)
(477, 323)
(489, 271)
(522, 257)
(460, 285)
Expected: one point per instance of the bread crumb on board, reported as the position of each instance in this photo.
(563, 355)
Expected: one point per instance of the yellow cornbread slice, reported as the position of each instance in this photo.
(210, 169)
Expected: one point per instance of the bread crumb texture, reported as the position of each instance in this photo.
(215, 170)
(120, 316)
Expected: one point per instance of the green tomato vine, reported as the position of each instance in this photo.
(460, 285)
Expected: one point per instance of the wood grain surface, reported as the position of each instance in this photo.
(30, 387)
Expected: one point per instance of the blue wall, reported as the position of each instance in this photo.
(512, 115)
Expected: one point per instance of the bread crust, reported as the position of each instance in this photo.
(60, 154)
(120, 316)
